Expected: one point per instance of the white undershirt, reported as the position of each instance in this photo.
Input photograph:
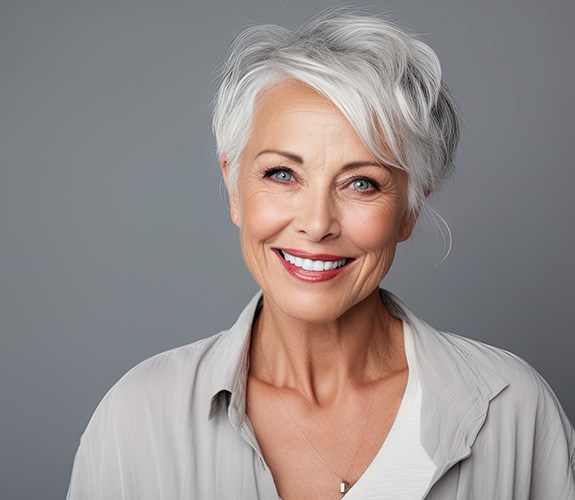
(401, 469)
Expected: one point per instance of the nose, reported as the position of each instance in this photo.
(317, 217)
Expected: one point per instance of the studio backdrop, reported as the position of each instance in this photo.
(115, 238)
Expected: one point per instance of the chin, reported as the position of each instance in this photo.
(313, 308)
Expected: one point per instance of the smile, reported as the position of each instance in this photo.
(308, 264)
(312, 267)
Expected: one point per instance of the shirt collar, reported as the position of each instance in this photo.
(456, 384)
(230, 365)
(456, 388)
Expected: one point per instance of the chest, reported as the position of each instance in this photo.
(310, 452)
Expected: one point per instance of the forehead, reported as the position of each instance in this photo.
(292, 94)
(292, 114)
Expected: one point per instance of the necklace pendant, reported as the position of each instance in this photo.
(343, 487)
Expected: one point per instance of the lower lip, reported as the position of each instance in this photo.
(312, 276)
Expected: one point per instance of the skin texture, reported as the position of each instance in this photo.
(333, 351)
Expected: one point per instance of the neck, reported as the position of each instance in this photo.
(322, 361)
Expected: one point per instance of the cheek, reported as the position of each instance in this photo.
(374, 228)
(262, 216)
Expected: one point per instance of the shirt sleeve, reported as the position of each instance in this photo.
(80, 483)
(553, 466)
(98, 472)
(104, 463)
(138, 439)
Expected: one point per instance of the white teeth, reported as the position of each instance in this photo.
(313, 265)
(307, 264)
(318, 265)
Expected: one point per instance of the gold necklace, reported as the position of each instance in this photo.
(345, 481)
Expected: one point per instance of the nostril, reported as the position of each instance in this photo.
(318, 224)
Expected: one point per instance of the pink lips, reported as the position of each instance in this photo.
(311, 276)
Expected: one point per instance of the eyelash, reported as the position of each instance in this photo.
(271, 171)
(375, 186)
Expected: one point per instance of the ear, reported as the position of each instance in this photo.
(407, 225)
(232, 195)
(410, 218)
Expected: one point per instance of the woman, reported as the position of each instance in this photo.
(330, 140)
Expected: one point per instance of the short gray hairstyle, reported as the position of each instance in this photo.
(386, 83)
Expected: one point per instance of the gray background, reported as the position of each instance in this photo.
(115, 244)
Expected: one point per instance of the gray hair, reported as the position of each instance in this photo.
(386, 83)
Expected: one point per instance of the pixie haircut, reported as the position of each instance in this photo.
(385, 82)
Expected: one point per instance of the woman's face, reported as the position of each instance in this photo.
(319, 217)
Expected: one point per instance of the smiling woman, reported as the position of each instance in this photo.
(330, 139)
(308, 186)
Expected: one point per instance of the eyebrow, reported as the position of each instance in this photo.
(287, 154)
(299, 159)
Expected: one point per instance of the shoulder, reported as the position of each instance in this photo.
(515, 430)
(174, 366)
(462, 362)
(470, 365)
(526, 407)
(524, 393)
(179, 383)
(490, 359)
(159, 384)
(143, 423)
(166, 366)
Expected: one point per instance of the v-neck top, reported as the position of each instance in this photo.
(402, 468)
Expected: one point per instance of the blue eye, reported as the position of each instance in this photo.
(361, 185)
(281, 176)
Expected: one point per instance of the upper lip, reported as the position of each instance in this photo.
(311, 255)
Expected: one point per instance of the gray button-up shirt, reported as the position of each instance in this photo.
(175, 426)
